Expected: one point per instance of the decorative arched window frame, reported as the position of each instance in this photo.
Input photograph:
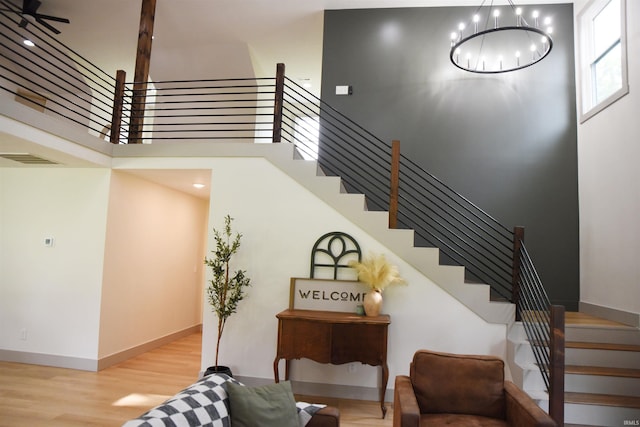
(334, 250)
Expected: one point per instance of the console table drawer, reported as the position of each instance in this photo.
(302, 338)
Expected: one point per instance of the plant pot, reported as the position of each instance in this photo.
(218, 370)
(372, 303)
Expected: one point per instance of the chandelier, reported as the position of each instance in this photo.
(499, 39)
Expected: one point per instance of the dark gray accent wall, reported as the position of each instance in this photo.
(507, 141)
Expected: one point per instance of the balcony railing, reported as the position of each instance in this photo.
(50, 77)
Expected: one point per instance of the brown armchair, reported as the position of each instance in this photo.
(461, 390)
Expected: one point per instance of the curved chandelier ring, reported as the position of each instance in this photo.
(478, 65)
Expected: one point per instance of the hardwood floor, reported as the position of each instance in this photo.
(32, 395)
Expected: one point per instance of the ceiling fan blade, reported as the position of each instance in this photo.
(30, 6)
(47, 25)
(51, 18)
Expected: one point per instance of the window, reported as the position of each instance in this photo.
(603, 56)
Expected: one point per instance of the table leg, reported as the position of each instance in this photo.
(383, 388)
(276, 371)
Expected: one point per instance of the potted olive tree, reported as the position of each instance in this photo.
(225, 289)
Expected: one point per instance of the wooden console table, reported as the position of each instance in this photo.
(333, 337)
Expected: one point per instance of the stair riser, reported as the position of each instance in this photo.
(596, 415)
(524, 355)
(610, 358)
(604, 335)
(602, 385)
(532, 380)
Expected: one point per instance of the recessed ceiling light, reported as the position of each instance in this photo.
(29, 43)
(198, 186)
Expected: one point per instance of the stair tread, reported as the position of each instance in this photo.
(602, 399)
(602, 346)
(604, 371)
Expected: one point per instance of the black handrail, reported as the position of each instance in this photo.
(439, 216)
(50, 76)
(544, 326)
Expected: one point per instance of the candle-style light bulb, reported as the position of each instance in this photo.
(476, 19)
(535, 15)
(518, 16)
(457, 53)
(533, 52)
(496, 14)
(517, 58)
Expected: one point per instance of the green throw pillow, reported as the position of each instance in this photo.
(271, 405)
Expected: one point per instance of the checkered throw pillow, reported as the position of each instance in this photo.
(204, 403)
(306, 411)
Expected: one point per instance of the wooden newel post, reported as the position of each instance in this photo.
(277, 106)
(395, 184)
(518, 238)
(118, 100)
(143, 60)
(556, 365)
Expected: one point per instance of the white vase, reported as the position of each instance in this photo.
(373, 303)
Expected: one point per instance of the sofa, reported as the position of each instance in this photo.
(462, 390)
(219, 400)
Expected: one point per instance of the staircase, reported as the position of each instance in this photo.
(602, 373)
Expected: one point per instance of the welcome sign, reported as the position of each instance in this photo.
(328, 295)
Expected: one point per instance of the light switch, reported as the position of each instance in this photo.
(344, 90)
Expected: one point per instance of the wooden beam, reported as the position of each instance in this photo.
(518, 238)
(394, 188)
(277, 105)
(118, 98)
(143, 59)
(557, 364)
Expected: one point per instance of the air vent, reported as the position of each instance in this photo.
(27, 159)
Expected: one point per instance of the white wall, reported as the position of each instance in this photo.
(153, 269)
(609, 191)
(280, 221)
(53, 293)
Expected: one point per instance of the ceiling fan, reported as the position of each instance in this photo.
(30, 13)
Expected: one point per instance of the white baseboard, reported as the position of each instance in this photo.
(626, 317)
(121, 356)
(92, 364)
(49, 360)
(325, 390)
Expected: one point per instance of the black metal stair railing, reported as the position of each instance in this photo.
(543, 324)
(439, 215)
(50, 77)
